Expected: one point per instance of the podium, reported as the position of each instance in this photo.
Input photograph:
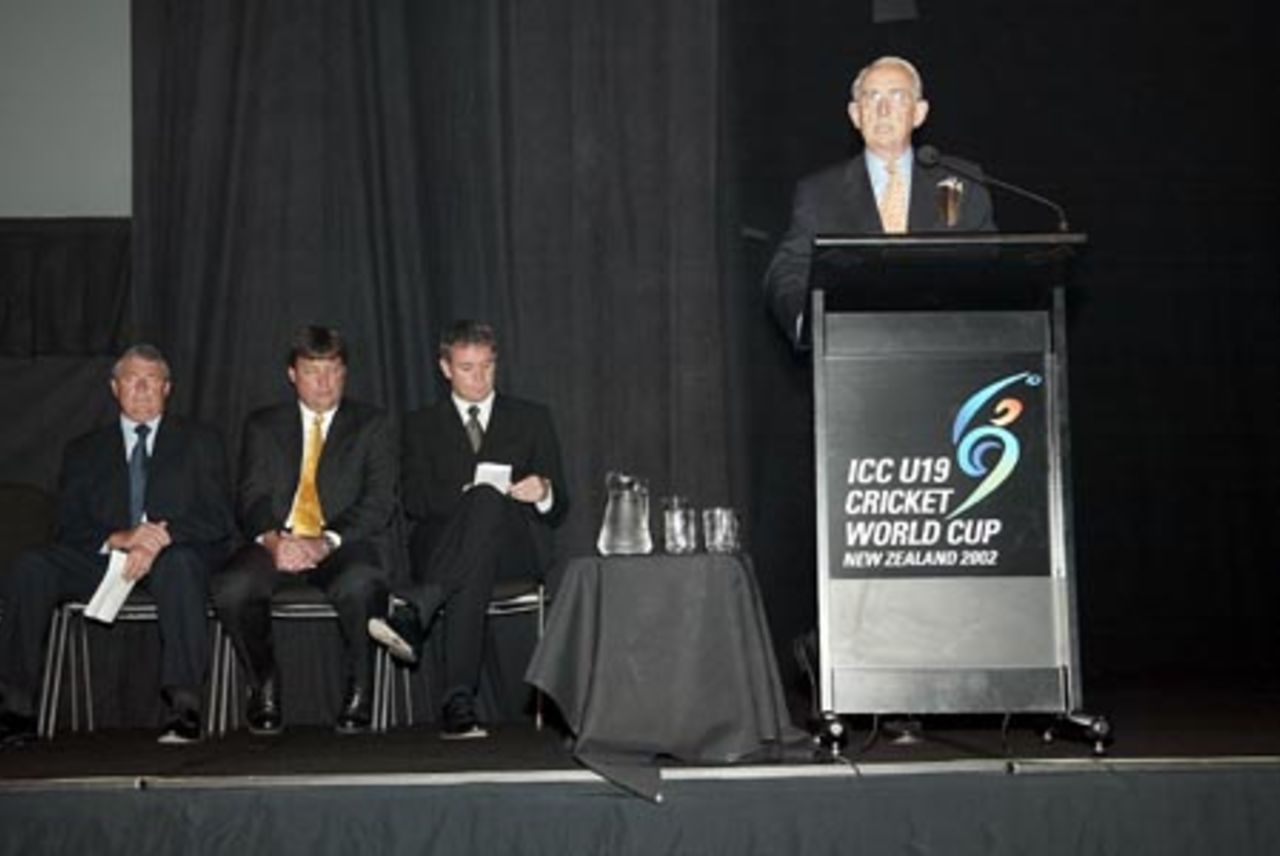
(946, 579)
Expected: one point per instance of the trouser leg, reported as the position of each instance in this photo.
(242, 598)
(179, 582)
(353, 580)
(39, 580)
(486, 539)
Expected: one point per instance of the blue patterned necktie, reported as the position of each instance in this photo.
(138, 475)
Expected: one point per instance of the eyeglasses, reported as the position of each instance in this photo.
(897, 98)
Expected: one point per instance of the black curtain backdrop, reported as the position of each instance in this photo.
(386, 167)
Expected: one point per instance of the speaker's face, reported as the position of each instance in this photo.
(886, 110)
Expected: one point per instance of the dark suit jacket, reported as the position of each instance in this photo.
(186, 487)
(356, 478)
(840, 201)
(438, 462)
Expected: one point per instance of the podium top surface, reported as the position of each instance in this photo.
(1010, 241)
(987, 270)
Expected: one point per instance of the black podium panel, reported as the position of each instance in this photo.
(945, 574)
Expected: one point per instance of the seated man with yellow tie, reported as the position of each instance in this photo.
(884, 190)
(316, 495)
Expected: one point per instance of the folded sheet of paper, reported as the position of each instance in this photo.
(112, 591)
(497, 476)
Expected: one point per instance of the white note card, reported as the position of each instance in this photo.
(112, 591)
(497, 476)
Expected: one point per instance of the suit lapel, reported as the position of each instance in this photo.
(337, 444)
(162, 451)
(862, 198)
(456, 434)
(922, 214)
(117, 469)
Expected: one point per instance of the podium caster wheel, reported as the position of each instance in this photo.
(831, 735)
(1099, 731)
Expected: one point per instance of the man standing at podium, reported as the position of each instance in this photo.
(884, 190)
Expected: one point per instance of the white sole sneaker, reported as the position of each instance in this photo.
(173, 738)
(475, 732)
(382, 633)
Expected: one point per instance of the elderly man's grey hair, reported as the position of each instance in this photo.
(917, 84)
(141, 351)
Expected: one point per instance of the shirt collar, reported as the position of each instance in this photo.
(464, 408)
(326, 418)
(879, 172)
(127, 427)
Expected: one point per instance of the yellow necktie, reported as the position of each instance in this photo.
(893, 202)
(308, 516)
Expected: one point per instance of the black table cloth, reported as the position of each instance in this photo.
(651, 656)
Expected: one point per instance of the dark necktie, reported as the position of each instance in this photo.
(474, 432)
(138, 475)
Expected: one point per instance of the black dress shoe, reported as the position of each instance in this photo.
(16, 729)
(408, 623)
(181, 729)
(459, 721)
(263, 711)
(355, 715)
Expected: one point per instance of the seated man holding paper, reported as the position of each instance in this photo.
(482, 486)
(142, 500)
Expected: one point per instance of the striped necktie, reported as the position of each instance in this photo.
(138, 475)
(893, 202)
(475, 433)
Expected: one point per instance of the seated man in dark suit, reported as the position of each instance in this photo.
(468, 532)
(317, 489)
(153, 486)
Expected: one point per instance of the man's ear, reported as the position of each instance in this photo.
(921, 111)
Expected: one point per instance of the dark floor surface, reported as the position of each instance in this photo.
(1179, 722)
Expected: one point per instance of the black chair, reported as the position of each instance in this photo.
(68, 646)
(523, 596)
(291, 603)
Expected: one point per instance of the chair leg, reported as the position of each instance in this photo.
(49, 690)
(381, 687)
(228, 692)
(86, 673)
(215, 676)
(70, 656)
(542, 626)
(407, 687)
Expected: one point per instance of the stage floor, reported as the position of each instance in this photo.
(1191, 771)
(1229, 724)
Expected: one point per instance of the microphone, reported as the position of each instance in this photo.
(930, 156)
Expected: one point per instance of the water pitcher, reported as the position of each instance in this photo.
(625, 530)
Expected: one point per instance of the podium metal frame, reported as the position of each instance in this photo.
(922, 297)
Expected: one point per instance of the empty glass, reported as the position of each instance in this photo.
(679, 525)
(720, 530)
